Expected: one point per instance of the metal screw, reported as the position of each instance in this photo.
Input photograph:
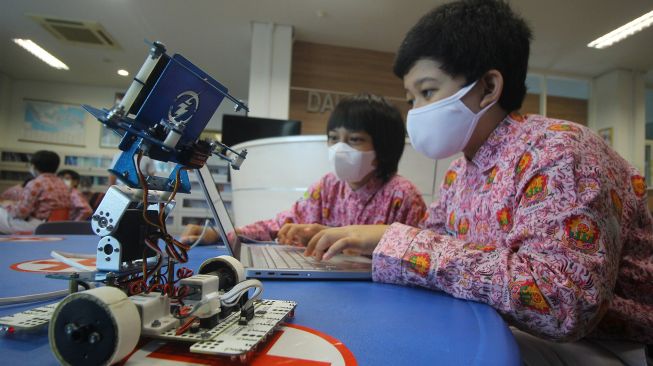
(155, 323)
(70, 328)
(205, 335)
(94, 338)
(73, 331)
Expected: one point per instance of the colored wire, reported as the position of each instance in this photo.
(159, 260)
(231, 298)
(187, 324)
(141, 179)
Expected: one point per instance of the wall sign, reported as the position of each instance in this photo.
(322, 102)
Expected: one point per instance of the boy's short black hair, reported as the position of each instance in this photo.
(73, 174)
(469, 38)
(45, 161)
(381, 120)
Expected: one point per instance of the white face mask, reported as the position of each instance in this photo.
(349, 164)
(68, 182)
(441, 129)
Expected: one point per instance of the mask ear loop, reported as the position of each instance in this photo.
(442, 102)
(477, 118)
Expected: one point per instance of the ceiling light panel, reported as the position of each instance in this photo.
(42, 54)
(622, 32)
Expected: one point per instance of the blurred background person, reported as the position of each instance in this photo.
(80, 208)
(39, 198)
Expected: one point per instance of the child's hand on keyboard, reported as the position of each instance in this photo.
(193, 232)
(355, 239)
(298, 234)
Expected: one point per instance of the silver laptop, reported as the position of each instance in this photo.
(271, 260)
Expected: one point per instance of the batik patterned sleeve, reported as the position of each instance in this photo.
(26, 203)
(551, 273)
(408, 206)
(306, 210)
(81, 210)
(436, 214)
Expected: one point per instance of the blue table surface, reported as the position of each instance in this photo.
(381, 324)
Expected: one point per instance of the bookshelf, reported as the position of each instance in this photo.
(190, 208)
(14, 168)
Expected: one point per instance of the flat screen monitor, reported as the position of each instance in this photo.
(237, 129)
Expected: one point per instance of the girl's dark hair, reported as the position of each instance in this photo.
(45, 161)
(73, 174)
(381, 120)
(469, 38)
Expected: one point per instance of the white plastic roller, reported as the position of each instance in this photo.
(227, 268)
(95, 327)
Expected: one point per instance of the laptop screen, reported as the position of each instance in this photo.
(220, 214)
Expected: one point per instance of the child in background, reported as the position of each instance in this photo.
(80, 209)
(366, 138)
(39, 198)
(13, 193)
(539, 219)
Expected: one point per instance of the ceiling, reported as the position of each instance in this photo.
(215, 34)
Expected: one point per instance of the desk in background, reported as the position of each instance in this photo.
(380, 324)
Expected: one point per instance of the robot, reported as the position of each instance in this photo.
(161, 116)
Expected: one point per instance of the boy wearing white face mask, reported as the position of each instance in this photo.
(80, 209)
(540, 219)
(366, 138)
(38, 198)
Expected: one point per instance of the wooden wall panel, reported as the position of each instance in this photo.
(344, 69)
(321, 74)
(569, 109)
(531, 104)
(313, 108)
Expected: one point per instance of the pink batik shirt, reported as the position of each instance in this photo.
(39, 197)
(12, 193)
(547, 224)
(80, 210)
(331, 202)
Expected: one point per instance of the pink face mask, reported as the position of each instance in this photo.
(443, 128)
(349, 164)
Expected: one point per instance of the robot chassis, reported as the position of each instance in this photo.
(210, 310)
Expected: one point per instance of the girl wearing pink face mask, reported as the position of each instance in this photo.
(366, 138)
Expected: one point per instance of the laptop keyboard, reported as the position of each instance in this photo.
(282, 257)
